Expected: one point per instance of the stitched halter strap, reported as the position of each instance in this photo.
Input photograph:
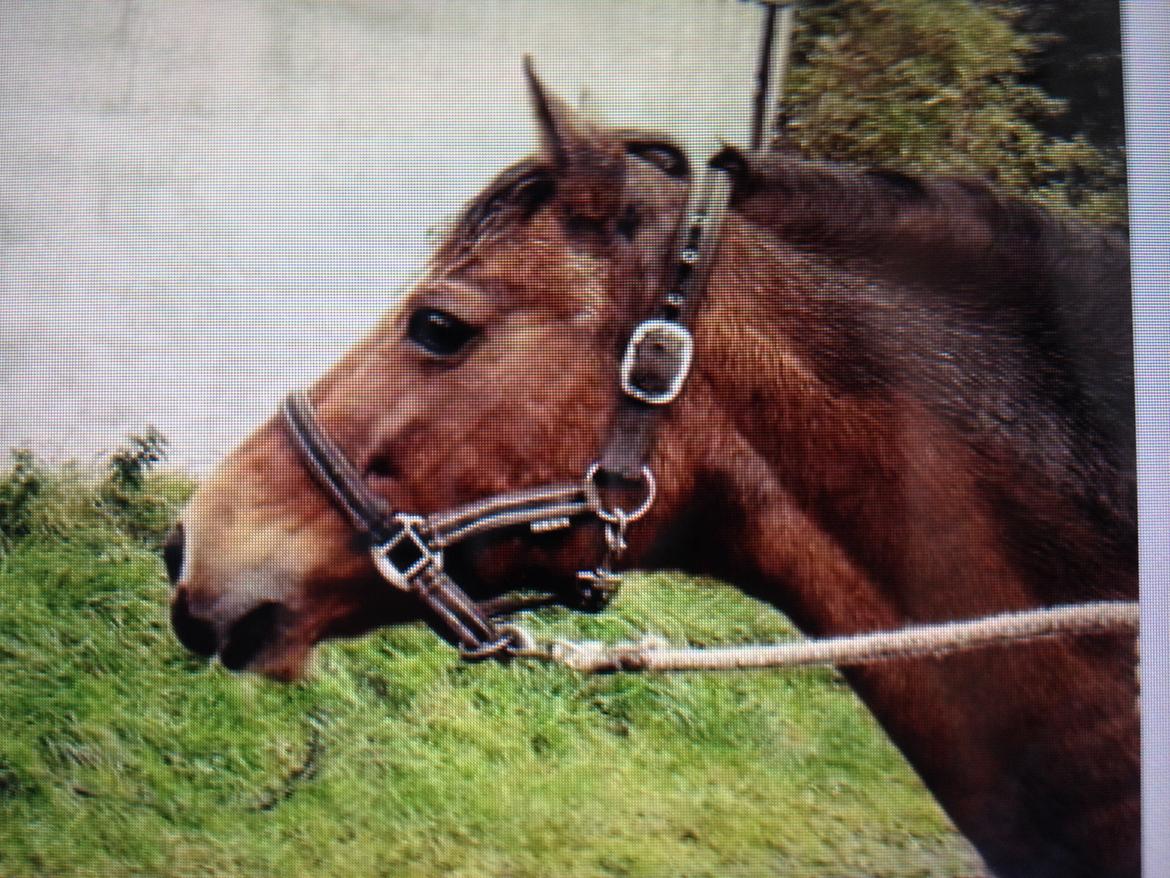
(407, 549)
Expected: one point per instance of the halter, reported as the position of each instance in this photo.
(407, 549)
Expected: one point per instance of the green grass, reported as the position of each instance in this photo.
(120, 755)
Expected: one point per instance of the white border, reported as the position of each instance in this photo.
(1146, 29)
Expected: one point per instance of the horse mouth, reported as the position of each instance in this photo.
(249, 635)
(262, 641)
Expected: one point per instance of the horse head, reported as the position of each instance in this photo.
(496, 372)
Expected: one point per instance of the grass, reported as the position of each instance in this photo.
(121, 755)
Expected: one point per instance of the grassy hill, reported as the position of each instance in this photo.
(122, 755)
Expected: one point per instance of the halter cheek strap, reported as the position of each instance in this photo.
(661, 348)
(407, 550)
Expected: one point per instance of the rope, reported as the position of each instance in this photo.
(919, 641)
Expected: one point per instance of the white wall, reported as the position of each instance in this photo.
(203, 202)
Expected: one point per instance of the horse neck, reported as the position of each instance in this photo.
(851, 490)
(853, 505)
(848, 503)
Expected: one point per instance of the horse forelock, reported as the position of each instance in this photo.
(481, 215)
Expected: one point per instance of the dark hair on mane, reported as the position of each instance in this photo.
(947, 222)
(522, 186)
(1066, 283)
(1040, 298)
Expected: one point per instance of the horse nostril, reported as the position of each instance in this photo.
(383, 466)
(195, 634)
(172, 552)
(249, 635)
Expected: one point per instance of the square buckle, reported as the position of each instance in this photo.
(405, 555)
(657, 360)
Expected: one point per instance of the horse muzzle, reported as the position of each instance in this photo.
(256, 639)
(251, 634)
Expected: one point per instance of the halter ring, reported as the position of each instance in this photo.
(617, 515)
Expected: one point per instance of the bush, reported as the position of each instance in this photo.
(939, 86)
(131, 502)
(19, 488)
(143, 514)
(130, 463)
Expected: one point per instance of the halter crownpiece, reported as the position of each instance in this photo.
(660, 351)
(407, 549)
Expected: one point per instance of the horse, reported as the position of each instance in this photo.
(910, 400)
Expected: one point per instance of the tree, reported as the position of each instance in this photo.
(940, 86)
(1080, 62)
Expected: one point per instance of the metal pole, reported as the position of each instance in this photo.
(787, 24)
(766, 79)
(763, 74)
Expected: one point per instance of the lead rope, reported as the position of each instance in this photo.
(934, 640)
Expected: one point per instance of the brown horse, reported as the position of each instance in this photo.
(911, 401)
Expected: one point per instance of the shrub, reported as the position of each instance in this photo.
(130, 502)
(940, 86)
(142, 503)
(19, 488)
(130, 463)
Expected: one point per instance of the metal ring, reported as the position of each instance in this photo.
(618, 515)
(513, 640)
(498, 647)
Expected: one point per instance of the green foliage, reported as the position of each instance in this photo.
(1081, 63)
(131, 505)
(130, 463)
(18, 489)
(144, 514)
(122, 754)
(939, 86)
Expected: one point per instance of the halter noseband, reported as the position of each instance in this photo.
(407, 549)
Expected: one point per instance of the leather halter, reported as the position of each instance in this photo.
(407, 549)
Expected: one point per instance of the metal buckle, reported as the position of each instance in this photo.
(668, 340)
(406, 554)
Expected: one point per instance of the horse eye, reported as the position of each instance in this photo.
(439, 332)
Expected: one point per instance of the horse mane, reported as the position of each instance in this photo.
(1045, 298)
(955, 230)
(1020, 285)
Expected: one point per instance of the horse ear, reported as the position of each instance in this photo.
(588, 160)
(735, 162)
